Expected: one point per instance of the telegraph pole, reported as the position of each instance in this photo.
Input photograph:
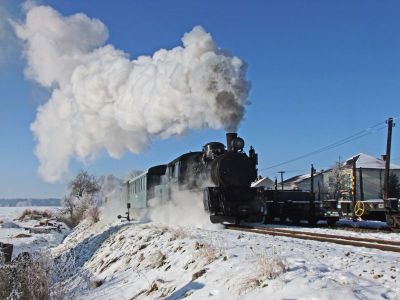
(281, 172)
(312, 179)
(354, 185)
(387, 158)
(361, 184)
(312, 200)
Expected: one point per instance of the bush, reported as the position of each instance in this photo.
(26, 277)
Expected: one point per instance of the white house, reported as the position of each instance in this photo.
(372, 170)
(264, 182)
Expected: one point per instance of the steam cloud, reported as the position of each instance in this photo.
(100, 99)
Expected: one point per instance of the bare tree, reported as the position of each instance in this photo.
(69, 205)
(339, 181)
(82, 198)
(84, 185)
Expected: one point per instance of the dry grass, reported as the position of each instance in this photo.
(265, 267)
(206, 252)
(177, 233)
(157, 259)
(270, 267)
(29, 214)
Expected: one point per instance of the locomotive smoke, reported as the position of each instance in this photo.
(100, 99)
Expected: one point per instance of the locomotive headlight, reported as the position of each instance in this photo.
(238, 144)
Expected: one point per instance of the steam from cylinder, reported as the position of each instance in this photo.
(101, 99)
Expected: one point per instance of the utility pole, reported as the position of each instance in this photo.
(281, 172)
(387, 158)
(361, 184)
(354, 185)
(312, 179)
(312, 200)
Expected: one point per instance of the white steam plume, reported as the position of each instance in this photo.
(103, 100)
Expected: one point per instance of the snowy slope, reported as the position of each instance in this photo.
(151, 261)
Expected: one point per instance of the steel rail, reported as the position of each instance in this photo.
(350, 238)
(383, 245)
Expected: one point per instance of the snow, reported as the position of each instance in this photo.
(30, 242)
(263, 182)
(135, 260)
(150, 260)
(368, 162)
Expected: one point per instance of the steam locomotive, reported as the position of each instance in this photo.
(224, 176)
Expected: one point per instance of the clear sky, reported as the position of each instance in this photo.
(320, 71)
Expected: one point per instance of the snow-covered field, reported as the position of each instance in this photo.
(17, 232)
(139, 260)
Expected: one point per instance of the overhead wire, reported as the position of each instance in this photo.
(353, 137)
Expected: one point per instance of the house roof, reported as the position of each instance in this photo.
(297, 178)
(265, 181)
(300, 178)
(369, 162)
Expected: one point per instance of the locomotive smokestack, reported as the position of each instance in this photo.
(229, 138)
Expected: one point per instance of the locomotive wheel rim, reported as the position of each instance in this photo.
(359, 208)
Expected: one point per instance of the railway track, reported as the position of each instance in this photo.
(384, 245)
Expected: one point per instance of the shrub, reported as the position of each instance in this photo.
(26, 277)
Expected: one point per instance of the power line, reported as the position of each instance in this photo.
(353, 137)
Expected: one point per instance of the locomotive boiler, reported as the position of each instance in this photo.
(231, 171)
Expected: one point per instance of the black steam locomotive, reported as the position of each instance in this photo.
(224, 176)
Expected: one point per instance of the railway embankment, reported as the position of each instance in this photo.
(133, 260)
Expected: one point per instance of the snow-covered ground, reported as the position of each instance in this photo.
(17, 232)
(154, 261)
(149, 260)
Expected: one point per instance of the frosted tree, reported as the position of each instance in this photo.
(339, 182)
(82, 198)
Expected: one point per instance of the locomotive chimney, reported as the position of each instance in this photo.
(229, 138)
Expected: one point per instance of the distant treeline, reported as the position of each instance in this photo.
(30, 202)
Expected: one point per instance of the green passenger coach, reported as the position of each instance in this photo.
(138, 190)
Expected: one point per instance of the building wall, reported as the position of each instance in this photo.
(372, 183)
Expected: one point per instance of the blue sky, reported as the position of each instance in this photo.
(320, 71)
